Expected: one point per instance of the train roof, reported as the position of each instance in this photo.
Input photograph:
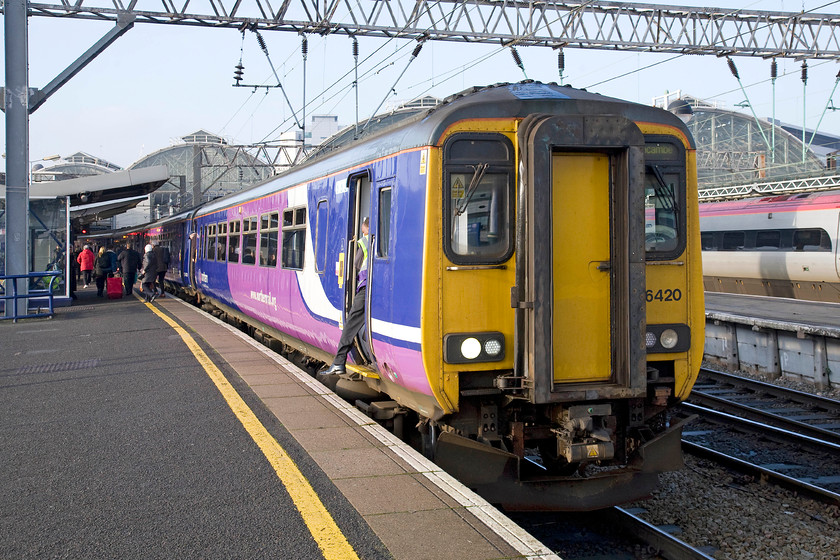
(775, 203)
(401, 130)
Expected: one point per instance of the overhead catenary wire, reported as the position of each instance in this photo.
(410, 60)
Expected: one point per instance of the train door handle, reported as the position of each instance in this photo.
(604, 266)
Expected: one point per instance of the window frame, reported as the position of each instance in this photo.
(454, 166)
(269, 224)
(675, 164)
(292, 227)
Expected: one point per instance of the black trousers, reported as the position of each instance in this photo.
(352, 325)
(128, 281)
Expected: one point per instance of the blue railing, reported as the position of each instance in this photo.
(32, 293)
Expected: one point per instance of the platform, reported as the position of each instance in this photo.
(774, 337)
(134, 430)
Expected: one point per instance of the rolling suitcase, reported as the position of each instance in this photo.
(115, 287)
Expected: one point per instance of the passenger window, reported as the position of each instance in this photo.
(383, 235)
(249, 240)
(294, 238)
(478, 195)
(768, 240)
(268, 239)
(733, 241)
(222, 244)
(233, 242)
(211, 243)
(707, 241)
(811, 240)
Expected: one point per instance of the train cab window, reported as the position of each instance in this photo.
(665, 186)
(383, 222)
(294, 238)
(770, 240)
(233, 241)
(478, 193)
(733, 241)
(269, 230)
(249, 240)
(221, 247)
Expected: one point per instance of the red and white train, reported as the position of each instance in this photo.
(783, 246)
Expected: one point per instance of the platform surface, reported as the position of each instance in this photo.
(117, 441)
(784, 310)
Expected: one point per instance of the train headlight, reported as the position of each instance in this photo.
(668, 339)
(467, 348)
(492, 347)
(470, 348)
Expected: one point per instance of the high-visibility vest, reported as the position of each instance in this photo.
(363, 243)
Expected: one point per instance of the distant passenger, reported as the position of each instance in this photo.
(112, 255)
(248, 257)
(149, 272)
(162, 255)
(129, 261)
(85, 260)
(101, 271)
(356, 317)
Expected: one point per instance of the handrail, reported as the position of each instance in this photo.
(30, 294)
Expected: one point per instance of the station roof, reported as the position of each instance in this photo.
(103, 188)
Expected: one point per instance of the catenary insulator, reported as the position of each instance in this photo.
(804, 72)
(261, 41)
(774, 70)
(237, 73)
(355, 48)
(732, 68)
(561, 61)
(516, 58)
(304, 46)
(417, 50)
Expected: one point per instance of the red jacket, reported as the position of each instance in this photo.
(85, 260)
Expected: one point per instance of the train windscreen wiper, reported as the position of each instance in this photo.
(664, 194)
(478, 174)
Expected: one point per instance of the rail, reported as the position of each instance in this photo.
(29, 294)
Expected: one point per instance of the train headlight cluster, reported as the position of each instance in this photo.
(465, 348)
(667, 338)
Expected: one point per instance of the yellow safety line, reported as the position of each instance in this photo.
(327, 535)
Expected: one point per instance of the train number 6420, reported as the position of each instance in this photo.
(664, 295)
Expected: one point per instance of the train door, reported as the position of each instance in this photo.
(359, 209)
(837, 248)
(580, 257)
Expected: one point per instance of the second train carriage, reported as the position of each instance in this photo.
(782, 246)
(534, 290)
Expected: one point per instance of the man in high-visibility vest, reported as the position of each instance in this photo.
(356, 317)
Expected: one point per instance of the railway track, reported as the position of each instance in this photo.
(771, 433)
(803, 413)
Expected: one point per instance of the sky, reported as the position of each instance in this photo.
(158, 83)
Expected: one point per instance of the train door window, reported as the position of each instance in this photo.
(294, 237)
(221, 251)
(321, 221)
(733, 241)
(268, 239)
(233, 241)
(211, 243)
(383, 223)
(769, 240)
(478, 190)
(205, 231)
(249, 240)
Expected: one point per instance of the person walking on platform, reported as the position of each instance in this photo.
(162, 255)
(149, 274)
(113, 256)
(129, 261)
(356, 317)
(85, 260)
(101, 270)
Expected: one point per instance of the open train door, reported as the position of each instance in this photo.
(580, 264)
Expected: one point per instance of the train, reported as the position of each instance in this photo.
(781, 245)
(534, 300)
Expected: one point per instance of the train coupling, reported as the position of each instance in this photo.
(584, 433)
